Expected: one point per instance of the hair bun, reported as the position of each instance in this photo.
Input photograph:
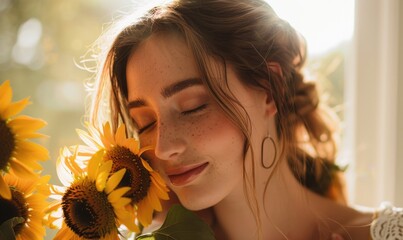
(306, 98)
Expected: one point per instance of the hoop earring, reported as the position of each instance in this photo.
(261, 153)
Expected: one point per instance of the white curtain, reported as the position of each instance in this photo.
(373, 106)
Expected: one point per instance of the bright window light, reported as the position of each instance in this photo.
(324, 23)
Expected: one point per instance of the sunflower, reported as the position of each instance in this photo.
(91, 206)
(147, 188)
(17, 154)
(28, 199)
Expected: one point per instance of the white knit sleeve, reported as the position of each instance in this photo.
(388, 223)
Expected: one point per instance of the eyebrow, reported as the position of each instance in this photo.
(168, 91)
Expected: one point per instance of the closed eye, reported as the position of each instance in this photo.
(141, 130)
(195, 110)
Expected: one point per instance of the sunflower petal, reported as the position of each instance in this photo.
(114, 180)
(114, 196)
(162, 191)
(103, 174)
(158, 179)
(93, 164)
(145, 149)
(155, 201)
(108, 139)
(15, 108)
(4, 189)
(34, 165)
(145, 212)
(64, 233)
(21, 170)
(123, 201)
(120, 135)
(6, 95)
(147, 166)
(31, 151)
(26, 124)
(127, 218)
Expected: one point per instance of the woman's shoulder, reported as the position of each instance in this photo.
(387, 223)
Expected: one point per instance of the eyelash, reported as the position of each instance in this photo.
(185, 113)
(195, 110)
(141, 130)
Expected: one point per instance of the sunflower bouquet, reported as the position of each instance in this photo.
(109, 191)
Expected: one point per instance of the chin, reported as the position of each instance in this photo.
(198, 201)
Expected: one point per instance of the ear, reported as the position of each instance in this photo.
(275, 67)
(271, 108)
(270, 105)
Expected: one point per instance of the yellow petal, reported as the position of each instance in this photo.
(127, 218)
(147, 166)
(145, 149)
(5, 87)
(120, 135)
(101, 181)
(103, 174)
(145, 212)
(53, 207)
(107, 140)
(155, 201)
(133, 145)
(114, 180)
(15, 108)
(34, 165)
(21, 170)
(117, 194)
(162, 191)
(6, 95)
(64, 233)
(26, 124)
(93, 164)
(27, 150)
(26, 135)
(158, 179)
(4, 189)
(122, 202)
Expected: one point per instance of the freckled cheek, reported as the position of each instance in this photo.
(214, 132)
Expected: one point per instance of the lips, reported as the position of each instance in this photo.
(184, 175)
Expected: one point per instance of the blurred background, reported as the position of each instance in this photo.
(41, 46)
(355, 51)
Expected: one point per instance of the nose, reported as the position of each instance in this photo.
(170, 143)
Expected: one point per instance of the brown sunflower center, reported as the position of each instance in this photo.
(136, 177)
(16, 207)
(7, 143)
(88, 212)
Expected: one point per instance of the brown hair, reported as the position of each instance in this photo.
(248, 35)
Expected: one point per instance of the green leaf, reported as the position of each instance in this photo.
(181, 224)
(6, 228)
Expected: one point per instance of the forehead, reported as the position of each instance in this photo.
(159, 60)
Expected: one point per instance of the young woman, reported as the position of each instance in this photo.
(237, 133)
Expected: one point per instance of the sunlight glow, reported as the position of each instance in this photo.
(324, 24)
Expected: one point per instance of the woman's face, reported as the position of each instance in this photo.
(198, 150)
